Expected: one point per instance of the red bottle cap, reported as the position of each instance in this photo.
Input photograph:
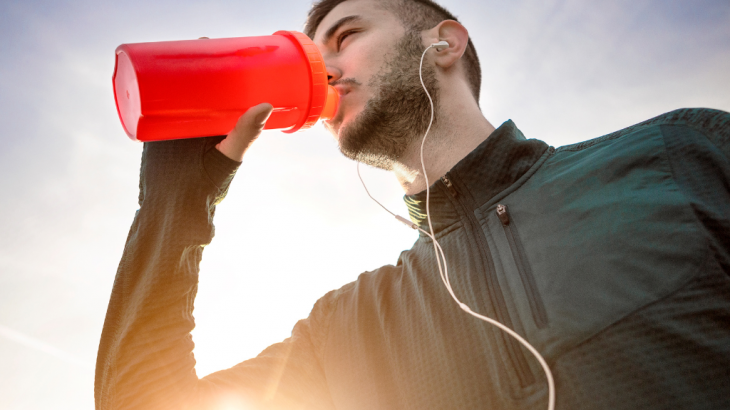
(319, 91)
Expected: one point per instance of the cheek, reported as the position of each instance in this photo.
(365, 58)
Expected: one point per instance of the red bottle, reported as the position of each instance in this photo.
(196, 88)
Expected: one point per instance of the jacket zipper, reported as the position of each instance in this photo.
(449, 186)
(537, 307)
(516, 357)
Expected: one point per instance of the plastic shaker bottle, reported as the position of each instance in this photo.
(195, 88)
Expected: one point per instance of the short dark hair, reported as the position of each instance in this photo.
(417, 15)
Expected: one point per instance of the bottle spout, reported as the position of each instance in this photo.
(330, 106)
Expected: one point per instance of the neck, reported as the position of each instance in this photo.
(461, 128)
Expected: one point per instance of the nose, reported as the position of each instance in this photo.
(333, 74)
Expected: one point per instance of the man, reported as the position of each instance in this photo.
(611, 257)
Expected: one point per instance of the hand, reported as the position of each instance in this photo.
(247, 129)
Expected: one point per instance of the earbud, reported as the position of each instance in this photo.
(440, 44)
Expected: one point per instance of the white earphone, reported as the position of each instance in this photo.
(440, 44)
(441, 258)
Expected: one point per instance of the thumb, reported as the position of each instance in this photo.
(247, 129)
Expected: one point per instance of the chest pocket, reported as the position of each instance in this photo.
(593, 236)
(521, 267)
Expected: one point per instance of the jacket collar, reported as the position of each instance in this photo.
(493, 166)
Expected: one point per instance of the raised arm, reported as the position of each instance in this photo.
(145, 358)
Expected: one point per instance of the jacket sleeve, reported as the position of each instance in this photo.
(698, 147)
(145, 358)
(715, 125)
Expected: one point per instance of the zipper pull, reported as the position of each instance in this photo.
(449, 186)
(503, 214)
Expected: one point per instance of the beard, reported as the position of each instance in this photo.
(398, 115)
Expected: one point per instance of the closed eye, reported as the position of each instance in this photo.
(343, 36)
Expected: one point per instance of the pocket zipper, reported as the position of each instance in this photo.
(515, 357)
(537, 307)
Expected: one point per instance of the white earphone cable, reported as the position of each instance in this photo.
(441, 257)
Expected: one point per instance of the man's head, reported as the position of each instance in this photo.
(414, 15)
(372, 49)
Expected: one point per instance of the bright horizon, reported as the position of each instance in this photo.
(564, 71)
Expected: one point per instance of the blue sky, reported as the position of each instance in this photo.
(564, 71)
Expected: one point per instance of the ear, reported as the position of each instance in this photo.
(453, 33)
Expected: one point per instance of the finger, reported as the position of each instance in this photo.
(247, 129)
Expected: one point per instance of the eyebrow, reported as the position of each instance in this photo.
(332, 30)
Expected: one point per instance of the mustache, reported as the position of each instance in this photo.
(343, 81)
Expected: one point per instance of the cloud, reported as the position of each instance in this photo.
(43, 347)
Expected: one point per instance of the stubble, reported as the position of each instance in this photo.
(398, 115)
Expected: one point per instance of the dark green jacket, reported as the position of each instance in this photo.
(612, 257)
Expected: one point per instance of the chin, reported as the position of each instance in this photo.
(333, 127)
(337, 124)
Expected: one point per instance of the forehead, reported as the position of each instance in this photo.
(370, 11)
